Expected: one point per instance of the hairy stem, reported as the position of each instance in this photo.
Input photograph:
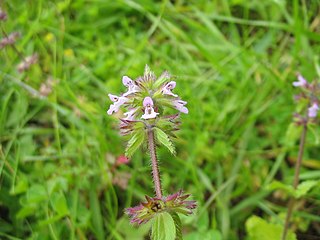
(295, 180)
(154, 162)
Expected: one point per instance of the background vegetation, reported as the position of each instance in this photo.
(235, 62)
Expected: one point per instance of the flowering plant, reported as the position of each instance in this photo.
(309, 101)
(147, 101)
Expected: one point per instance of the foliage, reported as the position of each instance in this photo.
(260, 229)
(163, 227)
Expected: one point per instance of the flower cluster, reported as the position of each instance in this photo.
(310, 93)
(10, 40)
(146, 98)
(27, 62)
(173, 203)
(3, 15)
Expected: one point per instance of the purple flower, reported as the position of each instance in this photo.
(149, 112)
(172, 203)
(313, 110)
(168, 88)
(117, 103)
(130, 114)
(302, 82)
(3, 15)
(179, 104)
(27, 62)
(130, 84)
(9, 40)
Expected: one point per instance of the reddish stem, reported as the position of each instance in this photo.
(154, 162)
(295, 179)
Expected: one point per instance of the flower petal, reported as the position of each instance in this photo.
(149, 113)
(313, 110)
(168, 88)
(301, 81)
(179, 104)
(117, 104)
(147, 101)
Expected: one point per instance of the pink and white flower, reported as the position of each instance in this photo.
(117, 103)
(302, 82)
(130, 115)
(130, 84)
(180, 105)
(313, 110)
(167, 89)
(149, 112)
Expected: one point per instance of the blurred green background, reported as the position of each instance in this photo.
(235, 62)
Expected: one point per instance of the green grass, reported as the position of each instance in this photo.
(235, 62)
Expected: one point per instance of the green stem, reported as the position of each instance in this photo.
(295, 179)
(154, 163)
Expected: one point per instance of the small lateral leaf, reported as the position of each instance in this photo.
(163, 227)
(164, 139)
(165, 76)
(134, 143)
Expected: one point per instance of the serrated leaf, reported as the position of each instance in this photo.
(164, 139)
(163, 227)
(134, 143)
(178, 225)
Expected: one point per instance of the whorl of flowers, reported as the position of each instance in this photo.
(173, 203)
(147, 102)
(310, 93)
(146, 97)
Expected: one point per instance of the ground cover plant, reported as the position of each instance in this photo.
(63, 170)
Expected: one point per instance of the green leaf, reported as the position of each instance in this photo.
(211, 234)
(259, 229)
(59, 204)
(165, 76)
(163, 227)
(292, 134)
(134, 143)
(275, 185)
(96, 216)
(178, 225)
(304, 187)
(37, 193)
(164, 139)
